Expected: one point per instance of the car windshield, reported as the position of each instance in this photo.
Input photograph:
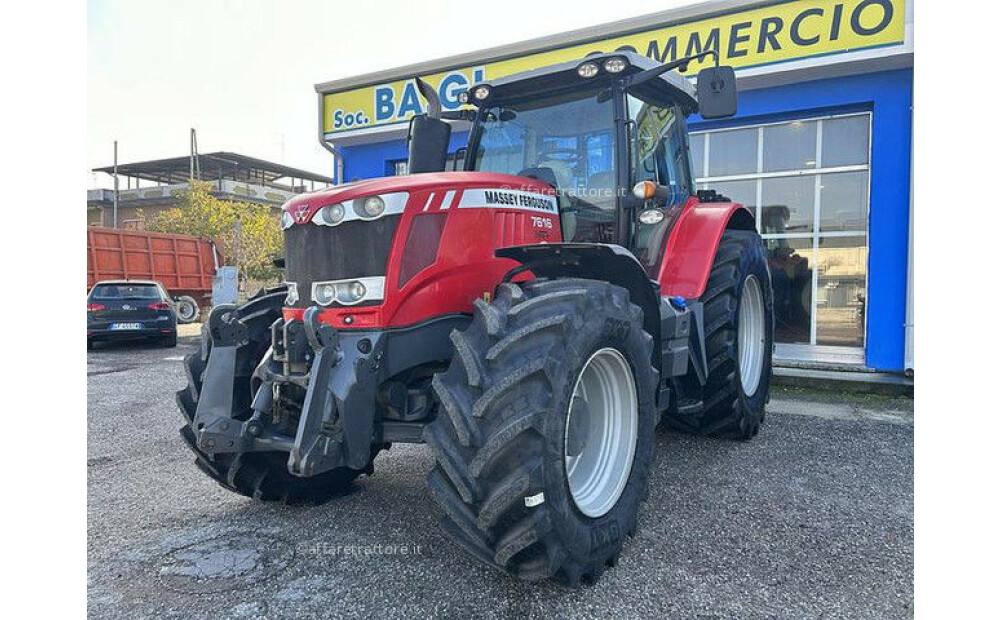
(125, 291)
(566, 141)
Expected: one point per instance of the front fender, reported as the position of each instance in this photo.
(691, 247)
(595, 261)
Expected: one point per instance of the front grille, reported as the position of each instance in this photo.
(351, 250)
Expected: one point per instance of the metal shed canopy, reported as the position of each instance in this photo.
(221, 164)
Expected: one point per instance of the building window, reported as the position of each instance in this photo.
(401, 168)
(807, 183)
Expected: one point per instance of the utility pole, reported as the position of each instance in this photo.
(114, 208)
(195, 163)
(237, 231)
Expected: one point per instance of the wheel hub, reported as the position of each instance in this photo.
(601, 432)
(751, 335)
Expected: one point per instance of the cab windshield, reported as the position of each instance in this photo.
(566, 141)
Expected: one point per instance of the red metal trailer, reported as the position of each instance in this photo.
(184, 264)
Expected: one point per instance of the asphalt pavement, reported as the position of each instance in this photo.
(813, 518)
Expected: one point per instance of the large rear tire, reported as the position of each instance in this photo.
(739, 341)
(261, 475)
(525, 486)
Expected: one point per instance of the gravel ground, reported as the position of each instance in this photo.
(812, 518)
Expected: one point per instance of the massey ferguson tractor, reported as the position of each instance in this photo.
(531, 318)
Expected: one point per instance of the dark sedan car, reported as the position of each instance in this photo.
(130, 310)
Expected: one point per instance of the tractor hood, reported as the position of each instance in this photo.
(304, 206)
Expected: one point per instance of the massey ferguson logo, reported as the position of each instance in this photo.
(302, 214)
(519, 199)
(505, 198)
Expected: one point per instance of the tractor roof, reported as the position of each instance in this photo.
(564, 75)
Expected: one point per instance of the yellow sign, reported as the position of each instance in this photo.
(781, 32)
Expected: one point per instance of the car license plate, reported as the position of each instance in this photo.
(121, 326)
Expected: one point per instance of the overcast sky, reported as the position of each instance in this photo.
(242, 72)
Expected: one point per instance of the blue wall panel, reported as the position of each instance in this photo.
(889, 95)
(369, 161)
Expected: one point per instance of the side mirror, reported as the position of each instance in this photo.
(717, 92)
(428, 137)
(428, 144)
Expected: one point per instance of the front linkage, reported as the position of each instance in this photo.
(337, 373)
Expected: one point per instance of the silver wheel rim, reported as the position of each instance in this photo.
(185, 310)
(751, 335)
(602, 426)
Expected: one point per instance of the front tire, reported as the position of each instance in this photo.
(739, 341)
(507, 432)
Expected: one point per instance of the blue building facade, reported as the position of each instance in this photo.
(888, 97)
(821, 152)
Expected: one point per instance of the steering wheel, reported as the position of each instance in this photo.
(562, 162)
(569, 156)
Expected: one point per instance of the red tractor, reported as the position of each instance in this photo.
(531, 318)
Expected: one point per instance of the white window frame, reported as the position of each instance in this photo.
(802, 351)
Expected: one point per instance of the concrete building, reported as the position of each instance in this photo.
(149, 187)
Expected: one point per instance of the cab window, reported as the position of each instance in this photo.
(659, 146)
(659, 150)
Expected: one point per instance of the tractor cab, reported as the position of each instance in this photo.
(592, 130)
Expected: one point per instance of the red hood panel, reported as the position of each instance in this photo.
(411, 183)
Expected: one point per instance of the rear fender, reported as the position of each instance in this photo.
(691, 248)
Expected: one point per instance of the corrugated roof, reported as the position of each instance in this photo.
(213, 166)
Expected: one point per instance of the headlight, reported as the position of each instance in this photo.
(587, 70)
(615, 65)
(481, 93)
(330, 215)
(354, 292)
(287, 221)
(651, 216)
(370, 207)
(324, 293)
(363, 208)
(292, 296)
(349, 292)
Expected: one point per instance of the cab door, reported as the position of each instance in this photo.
(658, 146)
